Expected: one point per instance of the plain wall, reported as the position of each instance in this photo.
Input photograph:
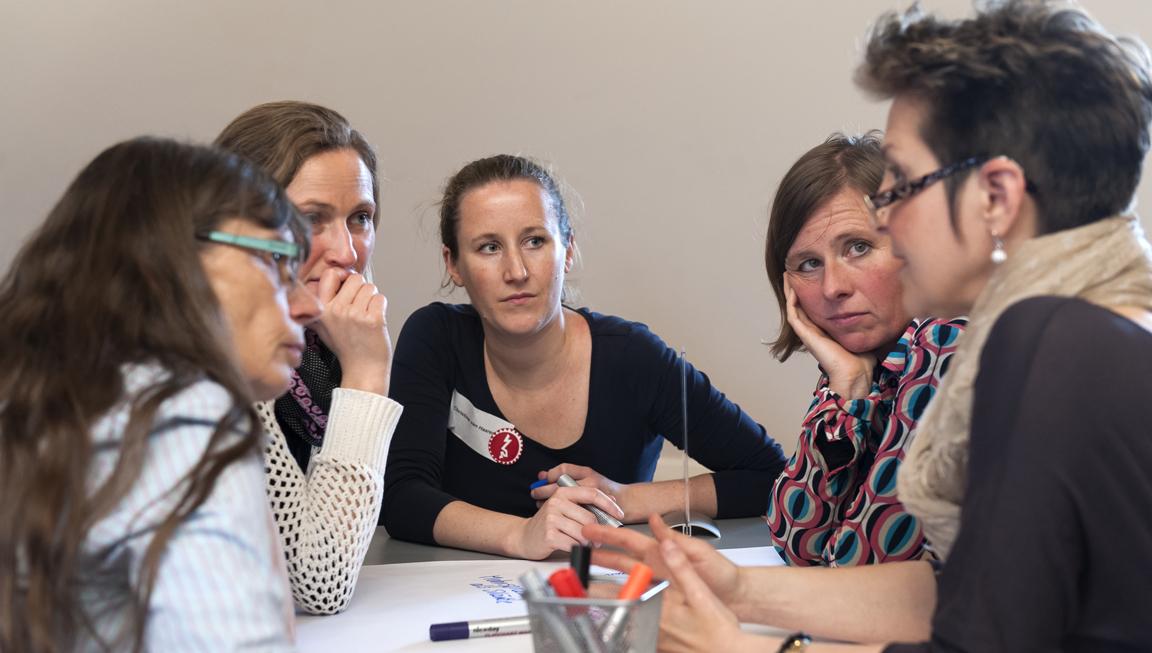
(672, 121)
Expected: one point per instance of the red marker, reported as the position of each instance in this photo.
(567, 583)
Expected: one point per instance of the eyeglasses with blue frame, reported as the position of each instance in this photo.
(285, 255)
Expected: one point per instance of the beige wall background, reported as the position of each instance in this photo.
(672, 121)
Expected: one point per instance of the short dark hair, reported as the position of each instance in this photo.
(502, 167)
(820, 174)
(1046, 86)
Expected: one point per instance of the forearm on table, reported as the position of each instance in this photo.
(465, 526)
(660, 497)
(874, 603)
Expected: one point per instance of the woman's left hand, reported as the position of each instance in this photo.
(587, 477)
(849, 374)
(693, 619)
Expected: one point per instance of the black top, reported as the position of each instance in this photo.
(633, 401)
(1056, 532)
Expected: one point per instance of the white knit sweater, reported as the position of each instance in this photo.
(326, 518)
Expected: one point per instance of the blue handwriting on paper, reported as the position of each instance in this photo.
(500, 589)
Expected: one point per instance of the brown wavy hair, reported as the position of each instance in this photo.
(1038, 82)
(280, 136)
(819, 175)
(112, 278)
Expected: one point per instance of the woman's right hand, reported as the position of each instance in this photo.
(355, 327)
(557, 525)
(849, 374)
(717, 572)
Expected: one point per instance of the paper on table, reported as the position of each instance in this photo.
(395, 604)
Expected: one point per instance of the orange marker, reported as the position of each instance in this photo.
(638, 581)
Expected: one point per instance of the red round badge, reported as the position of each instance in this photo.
(505, 446)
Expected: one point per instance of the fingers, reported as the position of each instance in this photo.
(662, 532)
(629, 540)
(559, 524)
(330, 282)
(611, 559)
(696, 591)
(590, 496)
(577, 472)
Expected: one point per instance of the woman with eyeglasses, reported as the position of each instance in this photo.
(153, 306)
(839, 290)
(1015, 143)
(329, 434)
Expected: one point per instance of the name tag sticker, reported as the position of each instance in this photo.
(494, 438)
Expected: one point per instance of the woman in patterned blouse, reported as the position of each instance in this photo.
(839, 291)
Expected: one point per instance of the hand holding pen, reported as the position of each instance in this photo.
(569, 475)
(557, 525)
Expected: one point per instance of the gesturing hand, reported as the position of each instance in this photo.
(693, 617)
(717, 572)
(849, 374)
(355, 328)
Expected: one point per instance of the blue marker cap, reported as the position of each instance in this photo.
(541, 483)
(444, 632)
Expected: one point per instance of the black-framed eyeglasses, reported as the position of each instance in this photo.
(909, 188)
(285, 255)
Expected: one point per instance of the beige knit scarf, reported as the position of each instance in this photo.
(1108, 263)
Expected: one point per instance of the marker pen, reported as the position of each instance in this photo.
(580, 558)
(638, 581)
(479, 628)
(535, 587)
(601, 516)
(567, 585)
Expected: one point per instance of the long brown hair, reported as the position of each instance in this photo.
(112, 278)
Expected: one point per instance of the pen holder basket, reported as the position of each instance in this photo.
(597, 625)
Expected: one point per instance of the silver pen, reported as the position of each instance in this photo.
(601, 516)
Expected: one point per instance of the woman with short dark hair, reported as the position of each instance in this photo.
(1014, 145)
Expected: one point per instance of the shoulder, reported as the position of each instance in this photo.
(623, 340)
(1066, 333)
(203, 401)
(936, 332)
(612, 326)
(438, 322)
(1052, 321)
(441, 313)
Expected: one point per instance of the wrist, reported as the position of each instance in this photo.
(857, 386)
(512, 544)
(738, 600)
(368, 379)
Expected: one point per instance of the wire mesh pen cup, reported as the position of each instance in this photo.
(598, 624)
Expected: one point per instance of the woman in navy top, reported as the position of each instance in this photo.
(516, 388)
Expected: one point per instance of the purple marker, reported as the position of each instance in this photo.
(479, 628)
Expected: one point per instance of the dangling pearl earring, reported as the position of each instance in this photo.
(998, 253)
